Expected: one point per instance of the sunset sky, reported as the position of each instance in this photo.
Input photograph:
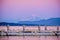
(23, 10)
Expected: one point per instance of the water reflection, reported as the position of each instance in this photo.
(30, 38)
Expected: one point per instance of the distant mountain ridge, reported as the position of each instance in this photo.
(48, 22)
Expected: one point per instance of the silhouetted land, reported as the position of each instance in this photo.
(48, 22)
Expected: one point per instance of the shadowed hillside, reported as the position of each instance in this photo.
(48, 22)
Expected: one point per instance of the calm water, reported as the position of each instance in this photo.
(30, 38)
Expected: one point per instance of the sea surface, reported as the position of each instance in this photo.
(30, 38)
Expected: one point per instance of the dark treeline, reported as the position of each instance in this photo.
(48, 22)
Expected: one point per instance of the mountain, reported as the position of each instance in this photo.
(47, 22)
(52, 21)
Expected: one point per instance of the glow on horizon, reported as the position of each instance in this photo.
(24, 9)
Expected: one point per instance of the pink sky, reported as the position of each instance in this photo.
(17, 9)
